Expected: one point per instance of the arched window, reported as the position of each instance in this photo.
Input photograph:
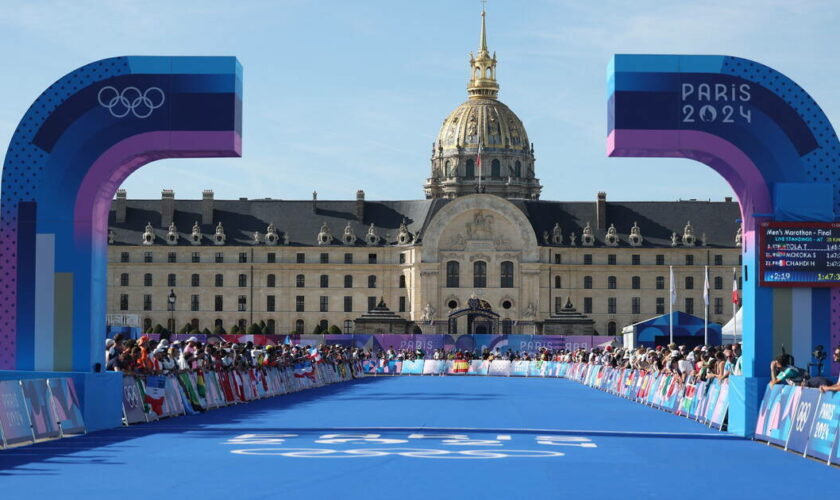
(220, 280)
(453, 274)
(558, 282)
(300, 281)
(325, 281)
(270, 326)
(218, 323)
(348, 326)
(517, 169)
(324, 324)
(299, 327)
(469, 169)
(401, 282)
(660, 282)
(507, 274)
(147, 324)
(718, 283)
(612, 283)
(637, 283)
(446, 166)
(243, 324)
(147, 279)
(587, 282)
(689, 283)
(271, 281)
(194, 323)
(348, 281)
(611, 327)
(495, 169)
(480, 274)
(371, 281)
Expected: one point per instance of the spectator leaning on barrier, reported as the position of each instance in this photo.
(785, 371)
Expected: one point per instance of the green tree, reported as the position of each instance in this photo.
(334, 330)
(254, 329)
(219, 330)
(317, 330)
(158, 329)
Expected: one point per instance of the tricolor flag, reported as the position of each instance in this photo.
(155, 393)
(673, 288)
(734, 287)
(706, 287)
(314, 355)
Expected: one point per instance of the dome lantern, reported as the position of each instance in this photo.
(483, 83)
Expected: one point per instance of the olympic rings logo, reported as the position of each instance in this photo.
(130, 100)
(402, 452)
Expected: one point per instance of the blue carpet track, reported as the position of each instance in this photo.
(417, 437)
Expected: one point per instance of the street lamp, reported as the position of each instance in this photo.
(170, 304)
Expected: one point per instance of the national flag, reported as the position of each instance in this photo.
(735, 298)
(155, 393)
(314, 355)
(673, 288)
(706, 287)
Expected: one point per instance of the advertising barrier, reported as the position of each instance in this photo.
(823, 432)
(14, 424)
(41, 416)
(149, 398)
(65, 404)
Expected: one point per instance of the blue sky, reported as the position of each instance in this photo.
(343, 95)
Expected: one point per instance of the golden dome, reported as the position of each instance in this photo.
(486, 120)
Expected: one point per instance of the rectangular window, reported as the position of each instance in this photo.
(124, 302)
(636, 259)
(558, 258)
(170, 280)
(242, 303)
(147, 257)
(402, 258)
(243, 257)
(587, 305)
(371, 303)
(402, 304)
(371, 258)
(195, 280)
(123, 256)
(324, 304)
(220, 257)
(740, 260)
(147, 279)
(718, 305)
(325, 281)
(611, 259)
(348, 258)
(243, 280)
(193, 302)
(300, 258)
(587, 259)
(269, 303)
(637, 305)
(147, 302)
(660, 305)
(348, 304)
(689, 260)
(196, 257)
(124, 279)
(660, 260)
(271, 258)
(558, 304)
(219, 303)
(718, 260)
(220, 280)
(611, 305)
(299, 303)
(170, 257)
(325, 258)
(689, 305)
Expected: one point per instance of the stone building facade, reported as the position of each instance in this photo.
(482, 254)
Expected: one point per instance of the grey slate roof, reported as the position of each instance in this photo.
(300, 224)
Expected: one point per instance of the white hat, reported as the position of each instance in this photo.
(109, 342)
(192, 339)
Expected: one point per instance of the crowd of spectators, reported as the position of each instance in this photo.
(145, 356)
(699, 363)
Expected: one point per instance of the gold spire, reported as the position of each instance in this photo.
(483, 83)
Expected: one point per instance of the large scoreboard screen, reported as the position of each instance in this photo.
(800, 254)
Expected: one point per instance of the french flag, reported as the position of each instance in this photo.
(735, 298)
(315, 355)
(304, 370)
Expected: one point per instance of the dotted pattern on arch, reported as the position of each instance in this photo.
(23, 171)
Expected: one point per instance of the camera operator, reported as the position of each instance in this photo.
(835, 387)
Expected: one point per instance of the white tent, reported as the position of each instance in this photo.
(728, 332)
